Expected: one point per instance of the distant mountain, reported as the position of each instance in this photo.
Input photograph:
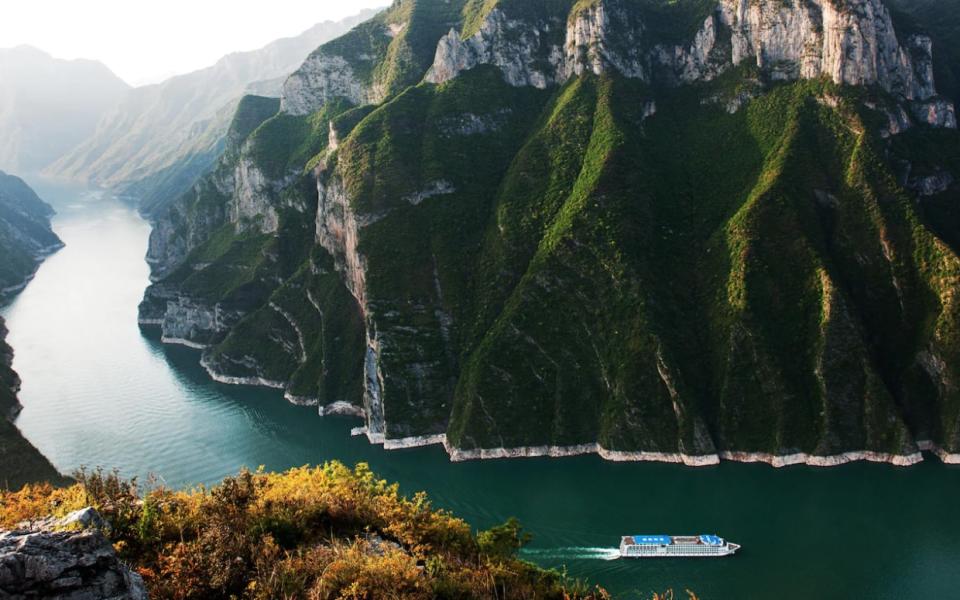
(25, 233)
(161, 137)
(48, 105)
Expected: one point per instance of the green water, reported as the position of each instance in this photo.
(96, 391)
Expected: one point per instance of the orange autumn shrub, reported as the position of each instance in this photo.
(312, 533)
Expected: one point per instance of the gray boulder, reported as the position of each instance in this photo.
(75, 564)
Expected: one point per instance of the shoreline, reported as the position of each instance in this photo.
(8, 293)
(706, 460)
(338, 408)
(230, 380)
(341, 408)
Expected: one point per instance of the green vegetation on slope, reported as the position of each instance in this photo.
(25, 233)
(606, 261)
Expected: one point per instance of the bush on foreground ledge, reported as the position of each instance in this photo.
(327, 532)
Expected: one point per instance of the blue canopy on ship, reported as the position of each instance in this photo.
(652, 540)
(711, 540)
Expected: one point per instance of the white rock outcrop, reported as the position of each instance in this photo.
(320, 79)
(520, 49)
(251, 206)
(601, 38)
(848, 41)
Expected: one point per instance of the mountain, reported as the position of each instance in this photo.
(650, 229)
(37, 123)
(160, 138)
(25, 234)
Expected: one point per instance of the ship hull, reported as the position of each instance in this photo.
(676, 547)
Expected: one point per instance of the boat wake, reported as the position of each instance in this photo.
(572, 553)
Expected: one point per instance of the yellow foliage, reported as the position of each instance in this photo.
(326, 532)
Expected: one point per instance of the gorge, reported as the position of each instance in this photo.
(96, 392)
(606, 239)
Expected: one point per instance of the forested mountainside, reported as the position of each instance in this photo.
(37, 125)
(160, 138)
(651, 229)
(20, 462)
(25, 234)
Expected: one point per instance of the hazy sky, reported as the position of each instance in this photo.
(146, 42)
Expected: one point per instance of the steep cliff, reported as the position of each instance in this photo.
(649, 229)
(25, 234)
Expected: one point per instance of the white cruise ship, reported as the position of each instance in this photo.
(665, 546)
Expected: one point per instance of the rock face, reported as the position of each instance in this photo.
(319, 80)
(64, 565)
(852, 42)
(521, 50)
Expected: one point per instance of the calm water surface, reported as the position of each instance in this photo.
(96, 391)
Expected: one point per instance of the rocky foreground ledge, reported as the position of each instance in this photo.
(64, 559)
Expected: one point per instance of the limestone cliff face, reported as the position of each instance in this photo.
(338, 227)
(338, 232)
(602, 38)
(525, 51)
(850, 41)
(184, 226)
(319, 79)
(253, 206)
(237, 193)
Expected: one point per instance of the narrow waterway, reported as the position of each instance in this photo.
(96, 391)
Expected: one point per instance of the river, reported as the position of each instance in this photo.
(97, 391)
